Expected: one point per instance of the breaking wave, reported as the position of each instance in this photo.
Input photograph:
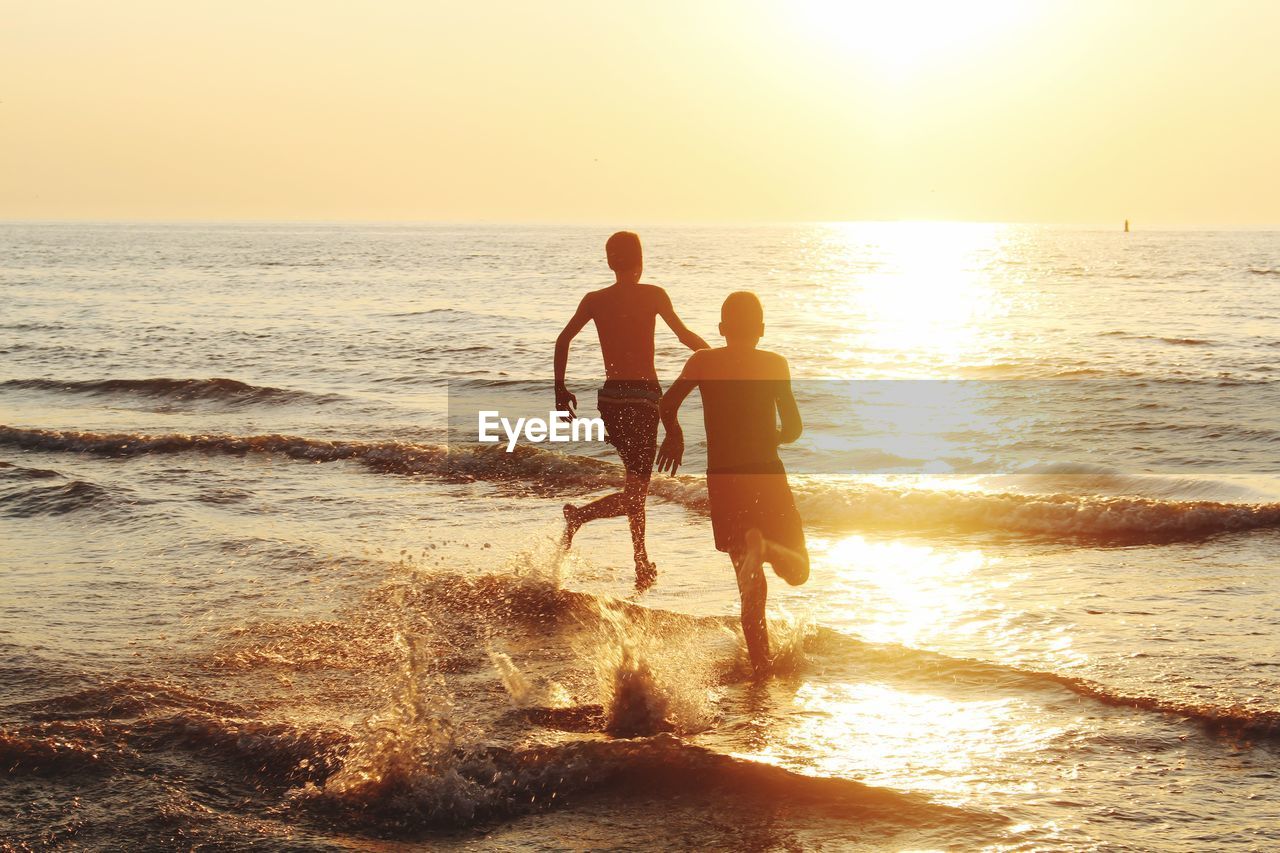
(1094, 519)
(410, 766)
(895, 661)
(1098, 519)
(230, 391)
(312, 770)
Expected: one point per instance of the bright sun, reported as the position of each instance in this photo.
(898, 36)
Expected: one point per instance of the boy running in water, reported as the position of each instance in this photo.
(745, 392)
(624, 314)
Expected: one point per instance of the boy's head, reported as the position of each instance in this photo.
(623, 252)
(742, 318)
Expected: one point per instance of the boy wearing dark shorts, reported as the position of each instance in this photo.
(625, 316)
(746, 393)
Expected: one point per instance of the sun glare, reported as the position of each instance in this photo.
(919, 298)
(902, 36)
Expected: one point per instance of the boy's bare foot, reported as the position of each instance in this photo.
(646, 575)
(571, 525)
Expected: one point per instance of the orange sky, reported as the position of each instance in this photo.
(1164, 111)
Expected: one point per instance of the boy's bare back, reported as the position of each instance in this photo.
(744, 390)
(625, 317)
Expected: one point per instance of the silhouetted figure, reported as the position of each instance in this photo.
(745, 391)
(624, 316)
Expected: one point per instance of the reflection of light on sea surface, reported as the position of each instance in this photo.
(896, 592)
(935, 597)
(910, 741)
(918, 291)
(933, 422)
(911, 426)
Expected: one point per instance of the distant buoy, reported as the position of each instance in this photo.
(1126, 226)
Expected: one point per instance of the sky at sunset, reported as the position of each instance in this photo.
(1074, 111)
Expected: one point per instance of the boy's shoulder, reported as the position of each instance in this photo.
(774, 365)
(722, 362)
(701, 363)
(655, 293)
(612, 291)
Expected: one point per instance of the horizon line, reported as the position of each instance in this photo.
(1117, 224)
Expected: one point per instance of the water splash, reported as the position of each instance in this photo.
(788, 635)
(650, 680)
(404, 764)
(523, 692)
(541, 565)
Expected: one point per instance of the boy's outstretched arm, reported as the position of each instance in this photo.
(671, 453)
(566, 402)
(788, 411)
(668, 314)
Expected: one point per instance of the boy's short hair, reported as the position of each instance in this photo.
(742, 311)
(623, 251)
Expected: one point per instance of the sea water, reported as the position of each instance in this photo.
(255, 589)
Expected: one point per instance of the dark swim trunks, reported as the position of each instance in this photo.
(629, 409)
(759, 499)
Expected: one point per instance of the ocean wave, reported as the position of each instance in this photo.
(126, 697)
(53, 500)
(692, 645)
(41, 751)
(10, 472)
(502, 782)
(280, 752)
(1093, 519)
(490, 462)
(1167, 339)
(895, 661)
(230, 391)
(1092, 479)
(478, 786)
(32, 326)
(26, 500)
(833, 648)
(1088, 519)
(1231, 721)
(405, 770)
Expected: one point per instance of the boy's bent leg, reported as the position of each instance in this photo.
(753, 591)
(780, 528)
(790, 565)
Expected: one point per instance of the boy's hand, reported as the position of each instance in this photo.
(566, 402)
(671, 453)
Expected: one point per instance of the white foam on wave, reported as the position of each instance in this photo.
(839, 503)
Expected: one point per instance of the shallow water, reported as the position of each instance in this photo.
(255, 589)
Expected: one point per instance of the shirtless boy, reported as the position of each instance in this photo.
(624, 316)
(745, 392)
